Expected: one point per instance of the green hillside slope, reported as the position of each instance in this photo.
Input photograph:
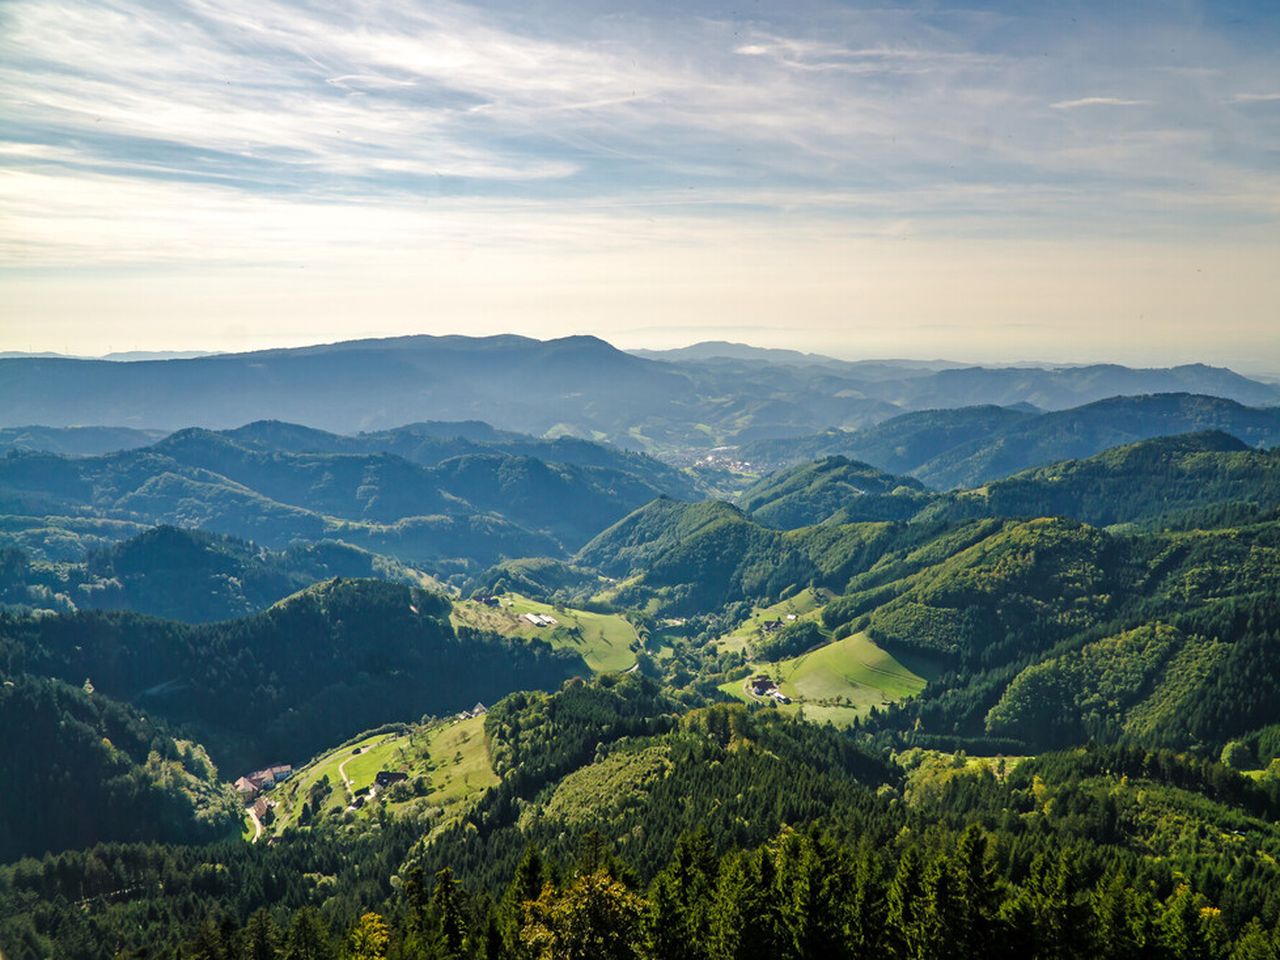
(81, 769)
(184, 575)
(340, 657)
(832, 487)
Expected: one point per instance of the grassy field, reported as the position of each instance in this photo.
(448, 760)
(462, 771)
(603, 640)
(392, 753)
(839, 681)
(805, 605)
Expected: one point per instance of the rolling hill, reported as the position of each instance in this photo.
(178, 574)
(478, 507)
(1166, 477)
(969, 446)
(83, 769)
(76, 441)
(340, 657)
(834, 486)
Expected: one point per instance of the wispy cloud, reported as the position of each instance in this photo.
(287, 116)
(1098, 102)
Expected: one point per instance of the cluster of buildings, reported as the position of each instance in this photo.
(541, 619)
(488, 600)
(252, 784)
(479, 710)
(764, 686)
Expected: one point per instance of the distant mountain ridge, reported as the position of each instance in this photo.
(968, 446)
(576, 386)
(466, 501)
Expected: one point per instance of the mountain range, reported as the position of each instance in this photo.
(578, 386)
(968, 446)
(458, 492)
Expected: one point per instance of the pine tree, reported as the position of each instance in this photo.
(308, 937)
(260, 940)
(446, 901)
(209, 943)
(680, 902)
(904, 925)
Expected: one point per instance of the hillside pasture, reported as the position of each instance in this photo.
(603, 640)
(839, 681)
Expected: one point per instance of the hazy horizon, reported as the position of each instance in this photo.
(162, 353)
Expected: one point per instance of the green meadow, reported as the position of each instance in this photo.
(604, 641)
(839, 681)
(447, 761)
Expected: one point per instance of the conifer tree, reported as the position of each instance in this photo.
(308, 937)
(260, 940)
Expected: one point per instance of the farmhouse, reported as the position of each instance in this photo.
(263, 779)
(541, 619)
(386, 778)
(763, 685)
(769, 626)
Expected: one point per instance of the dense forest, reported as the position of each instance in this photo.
(180, 574)
(1039, 717)
(823, 850)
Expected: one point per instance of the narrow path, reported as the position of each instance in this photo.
(342, 772)
(257, 825)
(342, 767)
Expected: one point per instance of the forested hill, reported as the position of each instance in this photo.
(82, 769)
(1057, 631)
(1183, 477)
(337, 658)
(624, 830)
(692, 558)
(813, 493)
(180, 574)
(473, 508)
(969, 446)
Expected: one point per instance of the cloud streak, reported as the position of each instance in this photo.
(263, 134)
(1098, 102)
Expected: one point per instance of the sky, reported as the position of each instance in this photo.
(1050, 181)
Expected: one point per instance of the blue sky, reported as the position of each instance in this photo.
(1068, 181)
